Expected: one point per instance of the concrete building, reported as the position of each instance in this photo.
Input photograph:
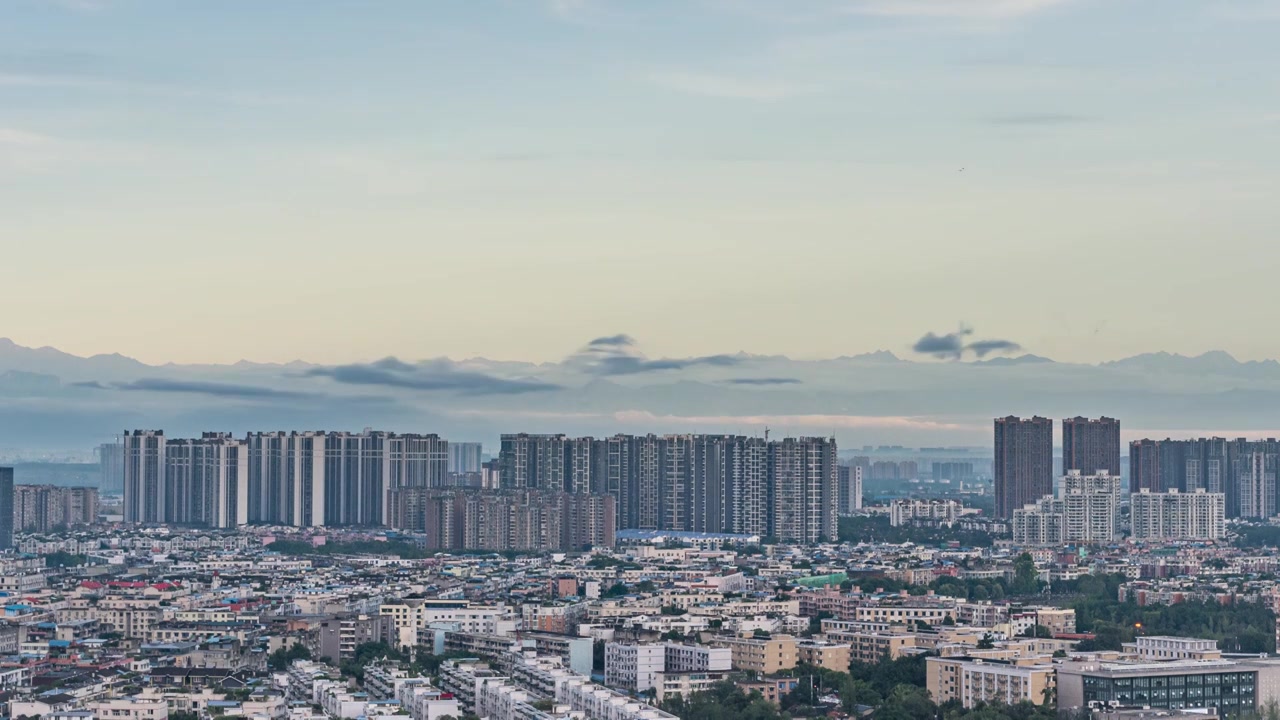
(803, 472)
(974, 681)
(465, 457)
(849, 489)
(1023, 462)
(1090, 507)
(111, 468)
(1233, 687)
(1161, 648)
(765, 656)
(937, 513)
(1175, 515)
(1091, 446)
(830, 655)
(338, 637)
(633, 667)
(39, 508)
(6, 508)
(1039, 523)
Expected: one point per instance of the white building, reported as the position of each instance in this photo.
(1091, 507)
(1257, 488)
(633, 667)
(933, 512)
(129, 708)
(1039, 523)
(1087, 510)
(1173, 515)
(425, 702)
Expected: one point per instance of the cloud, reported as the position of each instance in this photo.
(617, 355)
(214, 389)
(613, 341)
(950, 8)
(22, 138)
(953, 346)
(644, 418)
(763, 381)
(437, 375)
(983, 348)
(1038, 119)
(731, 88)
(943, 347)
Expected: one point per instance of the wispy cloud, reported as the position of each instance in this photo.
(729, 87)
(436, 375)
(194, 387)
(650, 420)
(983, 348)
(618, 355)
(950, 8)
(763, 381)
(22, 138)
(1037, 119)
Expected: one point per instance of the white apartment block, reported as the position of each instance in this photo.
(974, 682)
(129, 708)
(424, 702)
(1159, 648)
(1173, 515)
(1039, 523)
(1091, 507)
(937, 512)
(633, 667)
(638, 668)
(696, 658)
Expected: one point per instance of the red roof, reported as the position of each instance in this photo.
(91, 585)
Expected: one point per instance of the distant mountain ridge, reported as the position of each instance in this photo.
(53, 399)
(15, 356)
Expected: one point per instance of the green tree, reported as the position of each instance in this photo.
(282, 658)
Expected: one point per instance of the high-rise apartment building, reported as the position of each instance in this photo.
(533, 461)
(1244, 471)
(803, 474)
(791, 489)
(1256, 488)
(144, 488)
(6, 508)
(41, 508)
(111, 468)
(465, 457)
(1023, 462)
(1086, 511)
(1091, 507)
(1091, 445)
(849, 489)
(304, 479)
(1173, 515)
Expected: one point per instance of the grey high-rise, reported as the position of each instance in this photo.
(1023, 462)
(111, 467)
(6, 508)
(1091, 445)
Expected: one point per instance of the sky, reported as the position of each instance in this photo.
(342, 180)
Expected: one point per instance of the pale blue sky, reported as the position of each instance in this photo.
(272, 179)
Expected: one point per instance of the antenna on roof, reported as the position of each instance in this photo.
(766, 433)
